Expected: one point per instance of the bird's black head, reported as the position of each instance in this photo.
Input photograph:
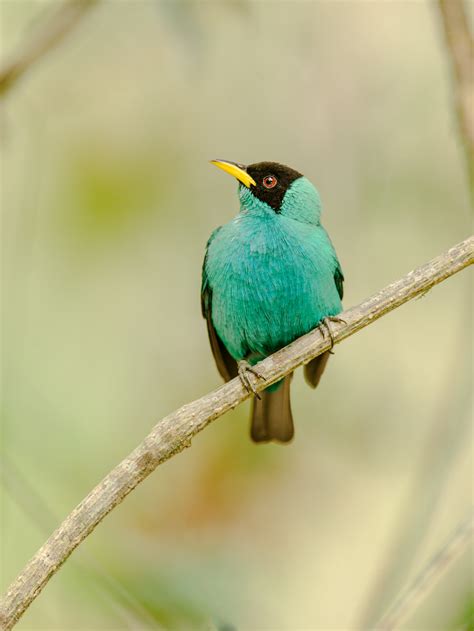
(272, 180)
(267, 181)
(266, 186)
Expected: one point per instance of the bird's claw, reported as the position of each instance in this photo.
(325, 328)
(243, 369)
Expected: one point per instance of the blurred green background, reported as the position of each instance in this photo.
(107, 202)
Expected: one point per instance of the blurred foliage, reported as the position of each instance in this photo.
(107, 203)
(465, 621)
(109, 195)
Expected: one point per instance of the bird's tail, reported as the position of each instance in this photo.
(271, 415)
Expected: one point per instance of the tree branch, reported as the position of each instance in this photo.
(428, 576)
(46, 38)
(174, 432)
(460, 48)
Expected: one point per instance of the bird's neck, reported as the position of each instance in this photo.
(251, 205)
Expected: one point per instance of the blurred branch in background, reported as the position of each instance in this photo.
(460, 46)
(445, 438)
(441, 449)
(429, 575)
(174, 432)
(46, 37)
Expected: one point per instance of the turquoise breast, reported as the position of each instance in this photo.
(272, 280)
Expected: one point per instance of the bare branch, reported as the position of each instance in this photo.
(174, 432)
(47, 37)
(429, 575)
(460, 48)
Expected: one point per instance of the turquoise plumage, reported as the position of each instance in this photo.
(269, 276)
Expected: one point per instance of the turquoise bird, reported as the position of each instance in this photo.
(269, 276)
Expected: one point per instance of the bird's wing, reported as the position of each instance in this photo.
(339, 280)
(338, 275)
(226, 364)
(313, 371)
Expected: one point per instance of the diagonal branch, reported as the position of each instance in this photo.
(175, 432)
(428, 576)
(47, 37)
(460, 47)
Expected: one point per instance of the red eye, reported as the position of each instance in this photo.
(269, 181)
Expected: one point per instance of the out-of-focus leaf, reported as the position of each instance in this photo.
(110, 193)
(169, 602)
(465, 620)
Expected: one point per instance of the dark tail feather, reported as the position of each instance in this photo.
(313, 371)
(271, 415)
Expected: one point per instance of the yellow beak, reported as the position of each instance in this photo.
(237, 170)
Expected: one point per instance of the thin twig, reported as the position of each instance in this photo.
(45, 38)
(460, 50)
(460, 46)
(428, 577)
(442, 447)
(174, 432)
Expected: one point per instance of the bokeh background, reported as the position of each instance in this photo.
(108, 200)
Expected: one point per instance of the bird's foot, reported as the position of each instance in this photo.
(325, 328)
(244, 368)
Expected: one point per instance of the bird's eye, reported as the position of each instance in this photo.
(269, 181)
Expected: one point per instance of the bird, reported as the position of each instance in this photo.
(269, 275)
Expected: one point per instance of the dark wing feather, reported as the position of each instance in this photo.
(313, 371)
(339, 280)
(226, 364)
